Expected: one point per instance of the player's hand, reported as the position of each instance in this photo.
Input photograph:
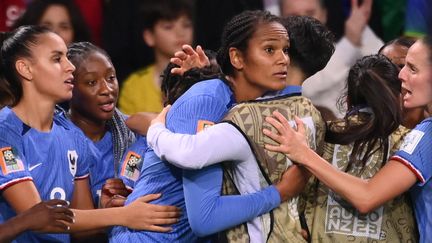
(161, 117)
(142, 215)
(49, 216)
(114, 193)
(357, 21)
(291, 142)
(189, 58)
(140, 122)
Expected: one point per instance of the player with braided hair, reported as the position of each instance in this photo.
(254, 59)
(92, 109)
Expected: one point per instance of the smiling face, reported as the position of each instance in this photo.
(416, 76)
(51, 71)
(96, 88)
(57, 19)
(263, 66)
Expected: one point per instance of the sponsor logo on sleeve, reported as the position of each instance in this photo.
(203, 124)
(131, 166)
(411, 141)
(10, 161)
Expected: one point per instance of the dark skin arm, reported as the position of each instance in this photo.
(50, 215)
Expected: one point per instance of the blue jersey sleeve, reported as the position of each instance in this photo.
(416, 151)
(132, 161)
(13, 168)
(208, 211)
(90, 156)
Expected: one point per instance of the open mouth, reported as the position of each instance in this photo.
(108, 106)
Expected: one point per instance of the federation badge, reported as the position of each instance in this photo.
(73, 159)
(10, 161)
(203, 124)
(131, 166)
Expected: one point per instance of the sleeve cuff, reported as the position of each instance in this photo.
(411, 167)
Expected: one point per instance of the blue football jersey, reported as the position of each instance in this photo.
(53, 160)
(103, 168)
(205, 102)
(416, 153)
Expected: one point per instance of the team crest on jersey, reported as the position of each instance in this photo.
(73, 160)
(203, 124)
(131, 166)
(10, 161)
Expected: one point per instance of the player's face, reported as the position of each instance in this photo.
(263, 66)
(51, 71)
(96, 88)
(416, 76)
(57, 19)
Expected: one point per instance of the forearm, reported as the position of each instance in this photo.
(355, 190)
(86, 220)
(12, 228)
(221, 142)
(209, 212)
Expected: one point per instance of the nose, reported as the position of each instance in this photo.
(69, 66)
(402, 74)
(283, 58)
(105, 87)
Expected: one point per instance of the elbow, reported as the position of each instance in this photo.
(365, 207)
(200, 228)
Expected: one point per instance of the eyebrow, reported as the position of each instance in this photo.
(58, 52)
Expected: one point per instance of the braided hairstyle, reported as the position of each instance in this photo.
(122, 136)
(15, 45)
(79, 51)
(237, 33)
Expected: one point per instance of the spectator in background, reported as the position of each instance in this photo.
(10, 11)
(60, 16)
(325, 87)
(166, 26)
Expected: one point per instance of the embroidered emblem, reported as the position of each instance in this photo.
(131, 166)
(73, 159)
(203, 124)
(10, 161)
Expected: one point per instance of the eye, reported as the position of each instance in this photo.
(269, 50)
(56, 58)
(285, 50)
(91, 82)
(112, 78)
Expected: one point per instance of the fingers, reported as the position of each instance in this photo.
(159, 228)
(281, 119)
(275, 123)
(149, 197)
(202, 56)
(354, 5)
(64, 216)
(163, 113)
(168, 221)
(273, 136)
(189, 50)
(55, 202)
(300, 125)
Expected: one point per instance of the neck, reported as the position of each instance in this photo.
(94, 130)
(295, 76)
(161, 61)
(38, 115)
(244, 91)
